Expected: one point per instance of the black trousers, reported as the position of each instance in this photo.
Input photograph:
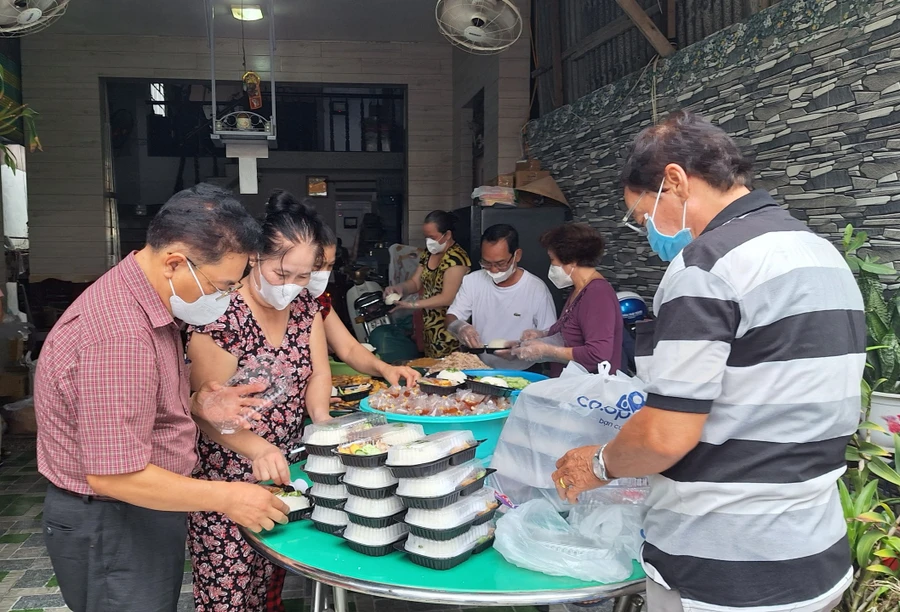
(111, 556)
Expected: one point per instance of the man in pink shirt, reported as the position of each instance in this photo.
(116, 437)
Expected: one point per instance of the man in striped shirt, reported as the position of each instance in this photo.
(753, 366)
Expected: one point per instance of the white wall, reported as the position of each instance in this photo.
(61, 75)
(505, 79)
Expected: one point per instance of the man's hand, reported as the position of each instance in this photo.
(465, 333)
(393, 374)
(269, 464)
(253, 507)
(575, 473)
(218, 404)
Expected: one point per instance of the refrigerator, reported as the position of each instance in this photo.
(529, 222)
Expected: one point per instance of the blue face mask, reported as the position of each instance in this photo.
(667, 247)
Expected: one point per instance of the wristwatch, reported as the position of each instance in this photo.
(599, 465)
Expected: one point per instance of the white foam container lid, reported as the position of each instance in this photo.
(463, 511)
(328, 491)
(337, 431)
(329, 516)
(374, 508)
(443, 483)
(324, 465)
(370, 478)
(371, 536)
(430, 448)
(391, 434)
(450, 548)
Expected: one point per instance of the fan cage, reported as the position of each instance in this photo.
(49, 17)
(470, 47)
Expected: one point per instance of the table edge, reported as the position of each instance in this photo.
(433, 596)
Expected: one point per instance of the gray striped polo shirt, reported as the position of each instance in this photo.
(759, 324)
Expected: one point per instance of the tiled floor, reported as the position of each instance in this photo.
(26, 578)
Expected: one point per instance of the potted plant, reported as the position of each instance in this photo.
(881, 382)
(873, 525)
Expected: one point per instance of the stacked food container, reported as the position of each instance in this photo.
(441, 484)
(327, 471)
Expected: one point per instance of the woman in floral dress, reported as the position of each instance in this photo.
(272, 314)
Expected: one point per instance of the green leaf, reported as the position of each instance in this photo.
(896, 449)
(888, 513)
(867, 265)
(846, 501)
(865, 546)
(894, 543)
(885, 553)
(852, 453)
(880, 569)
(871, 517)
(883, 470)
(857, 241)
(872, 426)
(865, 498)
(848, 234)
(868, 448)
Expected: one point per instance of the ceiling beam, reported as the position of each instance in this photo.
(556, 54)
(670, 22)
(647, 27)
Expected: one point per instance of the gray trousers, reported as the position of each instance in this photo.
(111, 556)
(661, 599)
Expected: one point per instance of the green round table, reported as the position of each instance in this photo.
(486, 579)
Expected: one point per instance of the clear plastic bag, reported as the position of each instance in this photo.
(597, 543)
(263, 368)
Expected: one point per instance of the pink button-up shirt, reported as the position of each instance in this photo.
(112, 390)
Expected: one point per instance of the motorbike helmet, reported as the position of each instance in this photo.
(634, 309)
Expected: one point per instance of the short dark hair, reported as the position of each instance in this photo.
(445, 221)
(294, 220)
(209, 221)
(701, 148)
(576, 243)
(502, 231)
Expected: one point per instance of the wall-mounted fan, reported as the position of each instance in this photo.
(483, 27)
(23, 17)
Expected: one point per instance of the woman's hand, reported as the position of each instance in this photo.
(217, 404)
(393, 374)
(269, 464)
(398, 289)
(532, 334)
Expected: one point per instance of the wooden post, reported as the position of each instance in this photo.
(556, 57)
(647, 27)
(670, 22)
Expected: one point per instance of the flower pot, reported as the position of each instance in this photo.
(885, 411)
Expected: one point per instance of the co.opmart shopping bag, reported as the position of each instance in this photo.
(552, 417)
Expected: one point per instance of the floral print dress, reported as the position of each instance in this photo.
(228, 574)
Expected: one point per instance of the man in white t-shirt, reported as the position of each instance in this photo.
(502, 300)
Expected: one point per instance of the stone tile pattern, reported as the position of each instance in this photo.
(26, 575)
(810, 89)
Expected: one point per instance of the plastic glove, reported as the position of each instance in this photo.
(532, 334)
(465, 333)
(506, 353)
(393, 289)
(539, 352)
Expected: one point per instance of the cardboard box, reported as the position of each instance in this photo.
(16, 350)
(505, 180)
(14, 384)
(530, 176)
(528, 165)
(22, 422)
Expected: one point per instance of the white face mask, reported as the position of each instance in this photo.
(434, 247)
(207, 308)
(278, 297)
(502, 277)
(318, 281)
(559, 278)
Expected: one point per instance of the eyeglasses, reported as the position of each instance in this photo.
(223, 293)
(637, 228)
(499, 267)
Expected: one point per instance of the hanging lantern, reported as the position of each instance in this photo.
(251, 86)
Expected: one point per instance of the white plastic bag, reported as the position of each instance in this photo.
(597, 543)
(552, 417)
(263, 368)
